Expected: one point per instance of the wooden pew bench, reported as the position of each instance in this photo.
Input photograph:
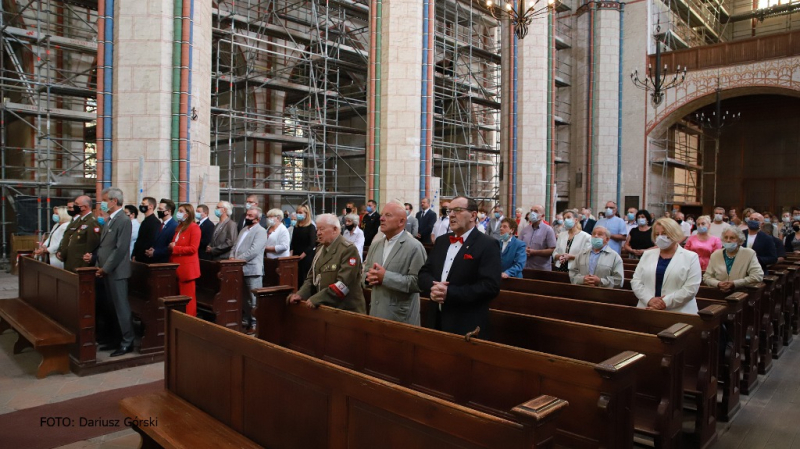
(253, 393)
(219, 291)
(148, 283)
(481, 375)
(281, 271)
(700, 382)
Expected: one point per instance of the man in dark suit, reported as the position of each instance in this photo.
(114, 262)
(147, 231)
(206, 231)
(587, 224)
(462, 273)
(159, 252)
(760, 242)
(372, 222)
(427, 219)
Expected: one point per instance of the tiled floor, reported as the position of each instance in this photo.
(770, 418)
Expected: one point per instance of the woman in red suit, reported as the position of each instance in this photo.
(184, 253)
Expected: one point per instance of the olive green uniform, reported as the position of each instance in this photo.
(334, 277)
(84, 237)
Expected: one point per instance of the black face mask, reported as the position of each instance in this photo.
(143, 209)
(71, 213)
(350, 227)
(348, 210)
(444, 211)
(796, 228)
(161, 214)
(248, 222)
(679, 221)
(76, 210)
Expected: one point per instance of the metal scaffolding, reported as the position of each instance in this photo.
(289, 99)
(678, 159)
(562, 109)
(466, 119)
(690, 23)
(47, 112)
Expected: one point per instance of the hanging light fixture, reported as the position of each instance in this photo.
(656, 80)
(520, 12)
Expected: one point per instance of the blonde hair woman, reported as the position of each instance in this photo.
(304, 242)
(667, 277)
(570, 242)
(51, 243)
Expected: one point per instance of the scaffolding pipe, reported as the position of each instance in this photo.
(190, 69)
(514, 137)
(100, 73)
(183, 116)
(619, 104)
(108, 96)
(424, 130)
(175, 173)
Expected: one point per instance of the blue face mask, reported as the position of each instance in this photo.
(505, 237)
(104, 206)
(180, 216)
(369, 210)
(767, 220)
(293, 222)
(101, 220)
(753, 225)
(631, 216)
(218, 212)
(301, 217)
(730, 246)
(569, 223)
(642, 222)
(702, 229)
(597, 243)
(56, 218)
(497, 215)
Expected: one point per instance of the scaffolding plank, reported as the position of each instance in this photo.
(561, 82)
(69, 91)
(560, 121)
(264, 137)
(561, 43)
(56, 41)
(276, 84)
(65, 114)
(677, 163)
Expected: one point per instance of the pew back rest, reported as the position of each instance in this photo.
(260, 390)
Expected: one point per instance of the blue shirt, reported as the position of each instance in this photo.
(661, 268)
(615, 225)
(593, 258)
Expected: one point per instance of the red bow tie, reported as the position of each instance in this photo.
(454, 240)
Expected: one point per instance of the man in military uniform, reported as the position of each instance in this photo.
(333, 279)
(81, 237)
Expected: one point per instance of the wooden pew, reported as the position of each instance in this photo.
(254, 393)
(219, 291)
(659, 386)
(481, 375)
(789, 306)
(61, 305)
(147, 283)
(704, 375)
(281, 271)
(774, 311)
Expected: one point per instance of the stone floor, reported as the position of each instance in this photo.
(769, 418)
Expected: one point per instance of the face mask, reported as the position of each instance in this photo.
(369, 209)
(348, 210)
(161, 214)
(679, 221)
(631, 217)
(796, 228)
(753, 225)
(218, 212)
(796, 217)
(293, 222)
(71, 212)
(270, 222)
(597, 243)
(248, 205)
(56, 218)
(101, 220)
(408, 213)
(581, 217)
(534, 217)
(663, 242)
(301, 217)
(248, 222)
(787, 219)
(691, 222)
(444, 211)
(180, 216)
(569, 223)
(481, 216)
(767, 220)
(730, 246)
(505, 237)
(559, 222)
(702, 229)
(76, 210)
(143, 209)
(104, 206)
(642, 222)
(350, 227)
(717, 217)
(609, 212)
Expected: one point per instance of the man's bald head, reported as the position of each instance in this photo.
(393, 219)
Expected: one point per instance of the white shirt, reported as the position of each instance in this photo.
(240, 239)
(135, 225)
(451, 255)
(751, 238)
(279, 238)
(687, 228)
(505, 244)
(356, 238)
(441, 227)
(201, 221)
(715, 229)
(387, 247)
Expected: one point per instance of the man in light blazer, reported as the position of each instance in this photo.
(391, 269)
(114, 260)
(599, 266)
(249, 247)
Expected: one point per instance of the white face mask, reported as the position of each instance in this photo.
(663, 242)
(270, 222)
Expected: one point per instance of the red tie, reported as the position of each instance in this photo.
(454, 240)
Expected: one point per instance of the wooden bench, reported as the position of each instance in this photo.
(704, 377)
(774, 312)
(148, 283)
(789, 302)
(67, 300)
(658, 413)
(224, 389)
(484, 376)
(219, 291)
(281, 271)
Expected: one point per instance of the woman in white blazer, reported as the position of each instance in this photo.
(677, 269)
(565, 258)
(50, 245)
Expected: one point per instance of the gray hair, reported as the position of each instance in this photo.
(353, 218)
(114, 194)
(228, 207)
(258, 211)
(602, 228)
(275, 213)
(330, 220)
(735, 231)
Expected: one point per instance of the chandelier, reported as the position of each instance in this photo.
(519, 15)
(656, 80)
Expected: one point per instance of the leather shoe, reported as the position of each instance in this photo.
(122, 351)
